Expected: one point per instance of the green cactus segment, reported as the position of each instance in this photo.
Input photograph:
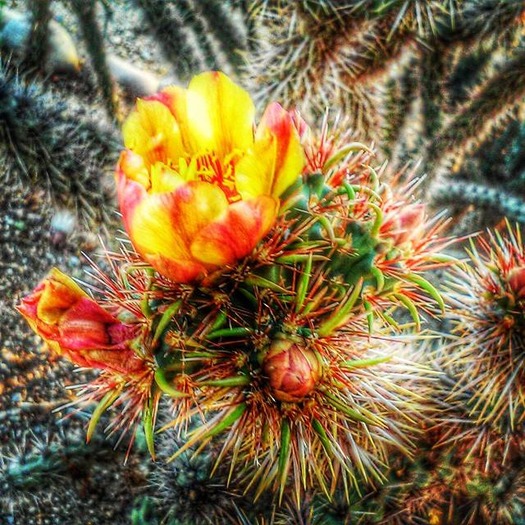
(361, 363)
(369, 418)
(228, 382)
(106, 402)
(165, 385)
(302, 286)
(148, 422)
(226, 422)
(284, 455)
(239, 331)
(323, 436)
(426, 286)
(342, 313)
(166, 318)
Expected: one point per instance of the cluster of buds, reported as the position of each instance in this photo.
(264, 262)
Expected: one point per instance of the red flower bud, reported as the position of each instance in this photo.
(516, 279)
(75, 325)
(292, 370)
(405, 224)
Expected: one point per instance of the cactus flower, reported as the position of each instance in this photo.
(74, 325)
(197, 187)
(292, 370)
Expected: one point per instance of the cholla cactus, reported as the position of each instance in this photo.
(470, 463)
(260, 293)
(336, 52)
(487, 356)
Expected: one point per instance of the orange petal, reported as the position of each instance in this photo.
(178, 270)
(129, 194)
(163, 226)
(59, 294)
(220, 114)
(235, 234)
(276, 158)
(152, 132)
(87, 325)
(290, 158)
(74, 325)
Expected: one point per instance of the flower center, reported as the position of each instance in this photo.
(220, 172)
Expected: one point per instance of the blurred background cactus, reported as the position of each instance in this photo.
(434, 84)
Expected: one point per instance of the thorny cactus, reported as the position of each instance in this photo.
(196, 36)
(266, 279)
(48, 468)
(470, 465)
(265, 313)
(61, 153)
(434, 80)
(190, 489)
(487, 358)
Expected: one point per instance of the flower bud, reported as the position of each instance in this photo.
(74, 325)
(405, 224)
(516, 279)
(292, 369)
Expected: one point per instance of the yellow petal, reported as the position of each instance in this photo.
(276, 158)
(163, 225)
(235, 234)
(164, 179)
(174, 98)
(153, 132)
(220, 114)
(254, 173)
